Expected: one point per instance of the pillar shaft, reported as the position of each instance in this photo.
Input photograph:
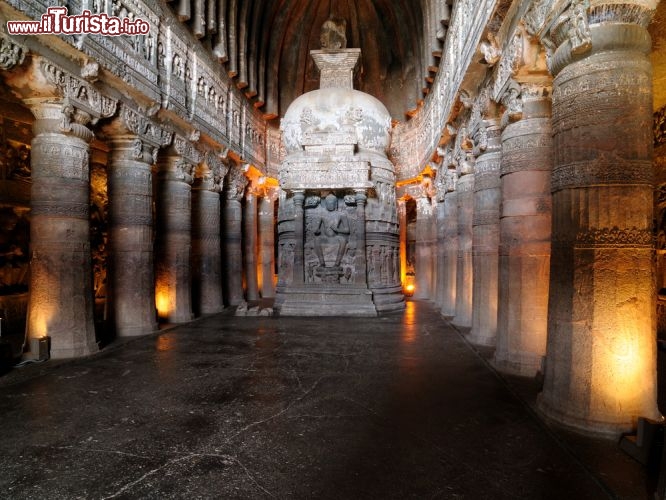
(206, 251)
(131, 276)
(360, 263)
(174, 240)
(267, 245)
(233, 229)
(450, 255)
(440, 251)
(601, 352)
(423, 265)
(465, 189)
(525, 227)
(61, 295)
(485, 239)
(299, 276)
(250, 246)
(402, 222)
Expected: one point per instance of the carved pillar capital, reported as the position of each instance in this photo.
(55, 115)
(573, 30)
(235, 185)
(179, 161)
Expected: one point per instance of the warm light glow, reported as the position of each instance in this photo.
(410, 289)
(162, 303)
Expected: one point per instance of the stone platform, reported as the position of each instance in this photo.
(333, 300)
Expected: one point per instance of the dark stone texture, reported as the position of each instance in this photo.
(392, 407)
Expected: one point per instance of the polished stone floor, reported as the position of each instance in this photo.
(226, 407)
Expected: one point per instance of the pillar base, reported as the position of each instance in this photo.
(480, 339)
(521, 364)
(74, 352)
(135, 331)
(586, 426)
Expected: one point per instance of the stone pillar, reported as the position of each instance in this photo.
(423, 265)
(440, 241)
(206, 245)
(402, 222)
(527, 160)
(232, 219)
(299, 237)
(131, 283)
(485, 235)
(61, 295)
(601, 353)
(464, 274)
(250, 249)
(360, 262)
(450, 255)
(267, 242)
(173, 292)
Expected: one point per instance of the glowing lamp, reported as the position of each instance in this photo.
(409, 290)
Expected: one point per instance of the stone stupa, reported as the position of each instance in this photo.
(339, 249)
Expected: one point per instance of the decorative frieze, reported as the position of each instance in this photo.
(11, 53)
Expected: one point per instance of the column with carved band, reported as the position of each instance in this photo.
(174, 223)
(485, 233)
(450, 255)
(525, 226)
(250, 249)
(134, 142)
(464, 276)
(601, 352)
(61, 296)
(232, 230)
(206, 244)
(267, 242)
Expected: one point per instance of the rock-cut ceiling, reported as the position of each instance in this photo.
(265, 44)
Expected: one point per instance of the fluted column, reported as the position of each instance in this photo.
(464, 274)
(450, 254)
(601, 353)
(423, 265)
(232, 230)
(174, 224)
(134, 142)
(206, 245)
(250, 249)
(267, 242)
(61, 295)
(485, 235)
(525, 225)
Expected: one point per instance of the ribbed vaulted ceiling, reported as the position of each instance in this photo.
(265, 45)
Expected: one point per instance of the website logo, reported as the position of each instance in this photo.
(56, 22)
